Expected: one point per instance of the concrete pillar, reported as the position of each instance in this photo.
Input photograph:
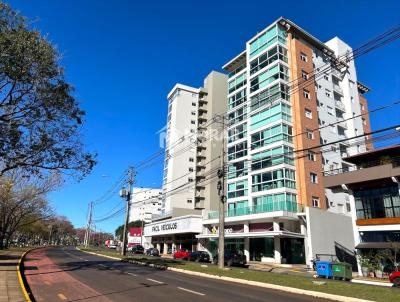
(246, 241)
(356, 234)
(277, 242)
(165, 248)
(276, 226)
(307, 249)
(277, 250)
(158, 246)
(173, 247)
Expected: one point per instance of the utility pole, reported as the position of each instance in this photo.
(221, 193)
(89, 224)
(131, 181)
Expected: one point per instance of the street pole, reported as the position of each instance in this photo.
(89, 225)
(221, 193)
(131, 176)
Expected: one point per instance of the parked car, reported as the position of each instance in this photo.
(152, 252)
(199, 256)
(181, 254)
(136, 249)
(395, 279)
(112, 247)
(232, 258)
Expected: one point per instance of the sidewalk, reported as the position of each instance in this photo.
(10, 289)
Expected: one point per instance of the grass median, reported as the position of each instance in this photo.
(368, 292)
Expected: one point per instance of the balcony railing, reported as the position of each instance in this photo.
(394, 161)
(287, 206)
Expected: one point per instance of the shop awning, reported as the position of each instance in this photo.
(378, 245)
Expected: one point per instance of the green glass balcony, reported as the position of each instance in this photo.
(287, 206)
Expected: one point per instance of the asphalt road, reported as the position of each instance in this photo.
(66, 274)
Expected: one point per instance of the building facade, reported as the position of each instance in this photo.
(293, 107)
(192, 152)
(145, 202)
(373, 184)
(192, 145)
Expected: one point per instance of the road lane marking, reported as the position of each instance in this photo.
(132, 274)
(62, 297)
(191, 291)
(156, 281)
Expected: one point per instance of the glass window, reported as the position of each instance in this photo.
(273, 179)
(272, 157)
(237, 189)
(281, 132)
(269, 95)
(269, 115)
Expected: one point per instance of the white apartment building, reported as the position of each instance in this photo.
(145, 202)
(288, 93)
(192, 150)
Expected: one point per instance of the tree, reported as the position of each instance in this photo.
(40, 119)
(23, 202)
(133, 224)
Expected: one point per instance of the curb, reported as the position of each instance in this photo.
(111, 257)
(376, 283)
(292, 290)
(22, 282)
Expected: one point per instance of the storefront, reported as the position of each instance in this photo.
(273, 242)
(173, 234)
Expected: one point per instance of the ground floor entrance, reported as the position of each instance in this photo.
(263, 249)
(171, 243)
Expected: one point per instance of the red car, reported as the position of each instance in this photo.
(181, 254)
(395, 279)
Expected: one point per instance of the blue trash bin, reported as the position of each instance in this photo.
(324, 269)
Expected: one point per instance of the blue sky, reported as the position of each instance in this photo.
(123, 57)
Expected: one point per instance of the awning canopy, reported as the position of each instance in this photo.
(378, 245)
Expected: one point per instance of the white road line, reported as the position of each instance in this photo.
(132, 274)
(191, 291)
(155, 281)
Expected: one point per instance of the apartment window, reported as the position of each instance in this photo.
(312, 156)
(358, 148)
(327, 93)
(315, 202)
(303, 57)
(193, 104)
(309, 134)
(364, 121)
(308, 113)
(193, 112)
(304, 75)
(193, 122)
(191, 130)
(314, 178)
(356, 130)
(352, 99)
(189, 201)
(326, 77)
(306, 94)
(348, 208)
(190, 169)
(191, 159)
(190, 179)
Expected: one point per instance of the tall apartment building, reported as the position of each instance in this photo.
(145, 203)
(192, 150)
(287, 92)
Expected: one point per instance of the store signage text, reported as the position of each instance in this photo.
(165, 227)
